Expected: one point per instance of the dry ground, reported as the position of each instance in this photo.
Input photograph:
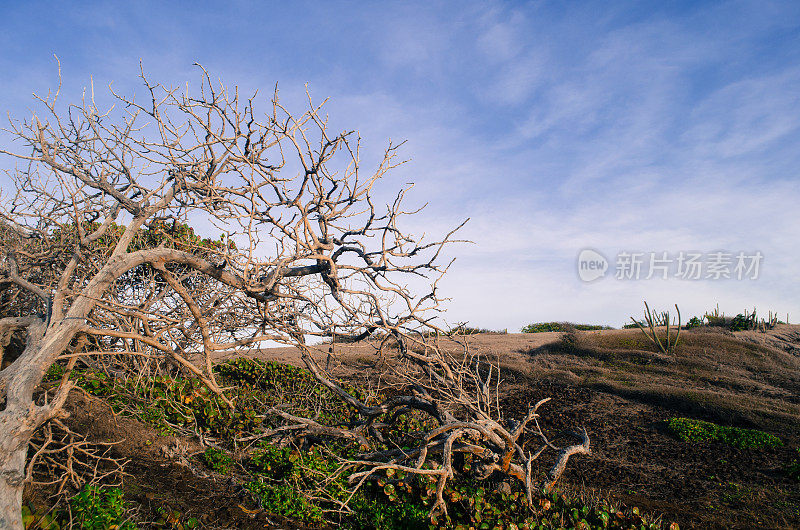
(613, 382)
(161, 472)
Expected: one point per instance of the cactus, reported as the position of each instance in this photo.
(655, 320)
(716, 318)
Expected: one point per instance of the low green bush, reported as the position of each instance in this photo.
(171, 404)
(543, 327)
(310, 486)
(297, 483)
(481, 504)
(98, 508)
(690, 430)
(740, 323)
(695, 322)
(218, 460)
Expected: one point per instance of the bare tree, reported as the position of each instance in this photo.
(98, 260)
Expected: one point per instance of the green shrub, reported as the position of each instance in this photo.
(740, 323)
(690, 430)
(95, 508)
(300, 485)
(218, 460)
(372, 512)
(169, 404)
(472, 503)
(695, 322)
(543, 327)
(303, 485)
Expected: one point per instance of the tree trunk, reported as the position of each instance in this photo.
(14, 449)
(21, 417)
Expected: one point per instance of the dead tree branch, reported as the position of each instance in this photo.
(97, 247)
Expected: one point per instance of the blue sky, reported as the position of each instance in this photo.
(619, 126)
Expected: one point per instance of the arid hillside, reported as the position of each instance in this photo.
(616, 385)
(611, 382)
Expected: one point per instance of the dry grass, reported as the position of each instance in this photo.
(713, 373)
(736, 379)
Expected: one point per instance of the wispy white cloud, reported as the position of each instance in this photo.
(554, 128)
(746, 116)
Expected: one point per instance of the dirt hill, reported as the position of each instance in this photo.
(612, 382)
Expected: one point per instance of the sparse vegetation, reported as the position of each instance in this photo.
(218, 460)
(654, 321)
(462, 328)
(792, 469)
(311, 484)
(743, 321)
(690, 430)
(543, 327)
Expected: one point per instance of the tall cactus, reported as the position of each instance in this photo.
(655, 320)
